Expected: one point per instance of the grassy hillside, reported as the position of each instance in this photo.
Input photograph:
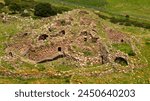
(138, 9)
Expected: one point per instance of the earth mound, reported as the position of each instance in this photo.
(78, 37)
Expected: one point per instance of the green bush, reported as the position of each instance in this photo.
(103, 16)
(22, 4)
(114, 20)
(43, 10)
(128, 22)
(14, 7)
(38, 8)
(147, 41)
(127, 16)
(1, 5)
(8, 2)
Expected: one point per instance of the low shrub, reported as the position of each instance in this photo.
(1, 5)
(14, 7)
(43, 10)
(9, 2)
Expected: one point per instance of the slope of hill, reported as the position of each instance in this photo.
(137, 8)
(88, 49)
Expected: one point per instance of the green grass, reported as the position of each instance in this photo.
(117, 7)
(86, 3)
(7, 65)
(87, 53)
(126, 48)
(138, 76)
(145, 49)
(10, 80)
(6, 30)
(130, 7)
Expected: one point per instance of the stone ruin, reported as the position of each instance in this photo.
(73, 35)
